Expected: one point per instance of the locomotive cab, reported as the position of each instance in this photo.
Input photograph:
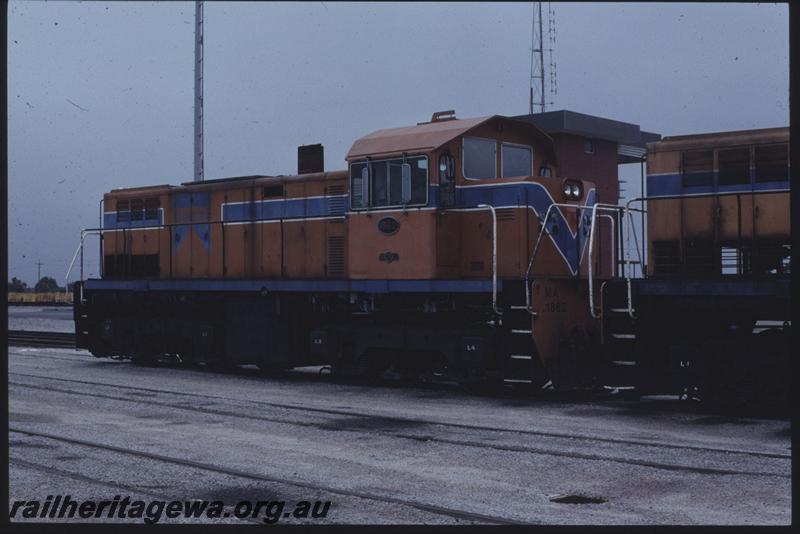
(428, 201)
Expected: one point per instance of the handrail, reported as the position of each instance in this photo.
(79, 250)
(636, 240)
(542, 227)
(69, 269)
(494, 256)
(100, 241)
(602, 311)
(157, 226)
(594, 207)
(606, 207)
(613, 250)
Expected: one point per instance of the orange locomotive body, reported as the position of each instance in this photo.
(719, 203)
(451, 247)
(712, 316)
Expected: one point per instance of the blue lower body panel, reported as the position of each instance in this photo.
(315, 286)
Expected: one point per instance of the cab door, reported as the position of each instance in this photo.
(391, 233)
(448, 227)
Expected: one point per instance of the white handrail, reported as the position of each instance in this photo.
(610, 207)
(69, 269)
(543, 226)
(494, 256)
(613, 251)
(79, 250)
(601, 206)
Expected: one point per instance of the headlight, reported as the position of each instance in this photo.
(567, 190)
(576, 190)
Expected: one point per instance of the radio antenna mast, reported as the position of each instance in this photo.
(538, 86)
(198, 91)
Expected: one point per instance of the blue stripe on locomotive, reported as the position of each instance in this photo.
(665, 185)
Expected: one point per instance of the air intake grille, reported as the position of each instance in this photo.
(337, 202)
(505, 214)
(335, 255)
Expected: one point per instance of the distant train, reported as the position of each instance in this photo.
(452, 249)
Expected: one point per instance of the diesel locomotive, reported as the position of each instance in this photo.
(451, 248)
(454, 249)
(713, 313)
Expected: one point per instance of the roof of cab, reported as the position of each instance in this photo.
(426, 136)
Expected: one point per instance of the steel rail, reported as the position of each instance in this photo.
(333, 411)
(431, 508)
(41, 339)
(429, 438)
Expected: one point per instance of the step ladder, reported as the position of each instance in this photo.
(520, 363)
(618, 338)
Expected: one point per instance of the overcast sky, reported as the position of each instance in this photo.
(101, 94)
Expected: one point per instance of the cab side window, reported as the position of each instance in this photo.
(772, 163)
(480, 158)
(517, 160)
(138, 209)
(151, 207)
(379, 183)
(123, 211)
(734, 166)
(697, 168)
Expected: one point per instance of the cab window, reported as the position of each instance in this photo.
(697, 168)
(734, 166)
(480, 158)
(772, 163)
(379, 183)
(123, 211)
(517, 160)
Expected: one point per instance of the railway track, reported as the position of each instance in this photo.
(430, 508)
(350, 413)
(431, 437)
(765, 409)
(32, 338)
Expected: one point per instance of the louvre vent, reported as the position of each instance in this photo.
(337, 202)
(335, 255)
(272, 191)
(505, 214)
(337, 189)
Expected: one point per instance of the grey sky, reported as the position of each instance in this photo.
(101, 94)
